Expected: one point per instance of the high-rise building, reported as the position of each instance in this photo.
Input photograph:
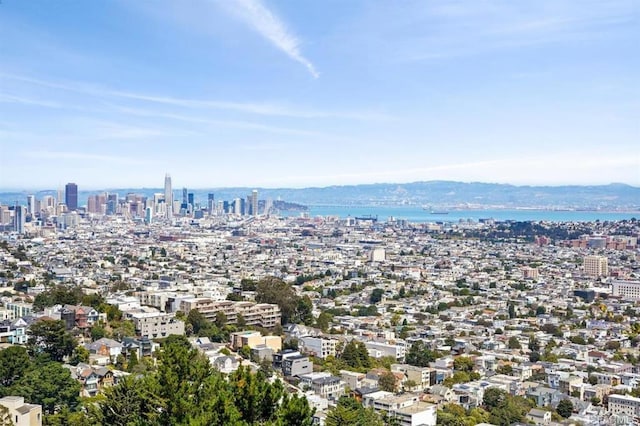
(31, 204)
(19, 219)
(211, 203)
(168, 196)
(71, 196)
(92, 204)
(112, 204)
(254, 202)
(596, 266)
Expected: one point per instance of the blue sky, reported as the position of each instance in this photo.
(268, 93)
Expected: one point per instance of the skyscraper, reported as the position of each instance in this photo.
(211, 203)
(168, 196)
(31, 205)
(19, 219)
(254, 202)
(71, 196)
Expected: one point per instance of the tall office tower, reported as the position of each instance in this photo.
(237, 206)
(268, 206)
(596, 266)
(92, 204)
(148, 215)
(185, 196)
(48, 204)
(31, 204)
(168, 196)
(211, 203)
(112, 204)
(254, 202)
(19, 219)
(71, 196)
(191, 200)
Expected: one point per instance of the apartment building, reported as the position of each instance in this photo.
(323, 384)
(319, 346)
(625, 289)
(624, 405)
(154, 325)
(379, 349)
(596, 266)
(22, 414)
(423, 377)
(254, 339)
(265, 315)
(407, 409)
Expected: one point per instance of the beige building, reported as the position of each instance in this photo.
(22, 414)
(596, 266)
(265, 315)
(253, 339)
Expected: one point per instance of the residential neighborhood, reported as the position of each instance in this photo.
(420, 323)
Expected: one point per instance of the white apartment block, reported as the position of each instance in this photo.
(154, 325)
(625, 289)
(318, 346)
(407, 409)
(624, 405)
(379, 349)
(596, 266)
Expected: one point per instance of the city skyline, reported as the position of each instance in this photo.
(268, 94)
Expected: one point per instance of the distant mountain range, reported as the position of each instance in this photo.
(436, 194)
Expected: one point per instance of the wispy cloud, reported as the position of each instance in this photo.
(256, 108)
(271, 27)
(79, 156)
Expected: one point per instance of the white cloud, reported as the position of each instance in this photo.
(267, 24)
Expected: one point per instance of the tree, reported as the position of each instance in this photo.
(5, 416)
(80, 354)
(504, 369)
(14, 362)
(463, 363)
(221, 319)
(197, 321)
(133, 361)
(512, 311)
(324, 320)
(295, 411)
(493, 398)
(98, 332)
(419, 355)
(514, 343)
(350, 412)
(50, 337)
(274, 290)
(565, 408)
(133, 401)
(304, 311)
(50, 385)
(387, 381)
(355, 355)
(376, 295)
